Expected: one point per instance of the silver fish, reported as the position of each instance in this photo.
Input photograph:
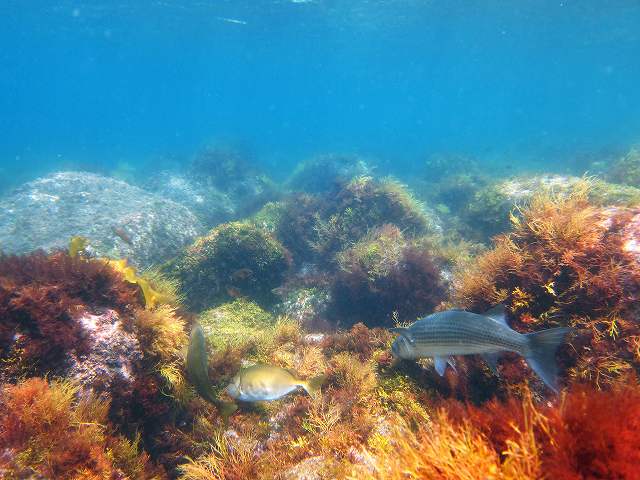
(266, 382)
(458, 332)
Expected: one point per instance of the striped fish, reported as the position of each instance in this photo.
(457, 332)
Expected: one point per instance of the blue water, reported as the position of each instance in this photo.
(99, 85)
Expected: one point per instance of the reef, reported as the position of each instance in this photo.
(54, 430)
(121, 220)
(94, 382)
(383, 278)
(324, 172)
(315, 227)
(81, 322)
(626, 169)
(365, 250)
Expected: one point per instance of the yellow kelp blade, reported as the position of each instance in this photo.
(76, 245)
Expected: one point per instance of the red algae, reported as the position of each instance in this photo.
(585, 434)
(40, 298)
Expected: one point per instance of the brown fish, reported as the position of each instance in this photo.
(120, 232)
(241, 274)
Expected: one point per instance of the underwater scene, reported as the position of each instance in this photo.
(320, 239)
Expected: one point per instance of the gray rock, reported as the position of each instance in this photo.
(213, 202)
(208, 203)
(308, 306)
(110, 361)
(119, 220)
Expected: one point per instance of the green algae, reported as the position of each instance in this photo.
(242, 325)
(234, 259)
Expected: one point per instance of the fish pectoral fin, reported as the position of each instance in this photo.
(491, 360)
(441, 364)
(452, 363)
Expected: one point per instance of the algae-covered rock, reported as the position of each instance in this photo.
(316, 227)
(306, 305)
(324, 172)
(119, 220)
(245, 328)
(487, 213)
(438, 167)
(385, 278)
(309, 469)
(110, 357)
(613, 194)
(234, 323)
(234, 259)
(626, 169)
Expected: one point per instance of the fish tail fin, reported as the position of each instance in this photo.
(226, 409)
(542, 359)
(312, 386)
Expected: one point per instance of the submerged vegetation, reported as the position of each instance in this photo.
(383, 278)
(566, 262)
(54, 430)
(582, 437)
(93, 353)
(232, 260)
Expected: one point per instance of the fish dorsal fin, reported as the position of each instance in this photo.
(498, 314)
(404, 331)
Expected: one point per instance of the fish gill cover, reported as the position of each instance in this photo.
(210, 209)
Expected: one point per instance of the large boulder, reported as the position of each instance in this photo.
(322, 173)
(234, 259)
(119, 220)
(211, 205)
(219, 184)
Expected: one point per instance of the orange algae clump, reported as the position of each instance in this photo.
(443, 452)
(589, 434)
(51, 430)
(228, 459)
(565, 263)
